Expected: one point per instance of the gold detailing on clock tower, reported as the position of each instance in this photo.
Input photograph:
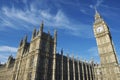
(108, 61)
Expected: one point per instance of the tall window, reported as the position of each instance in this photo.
(32, 61)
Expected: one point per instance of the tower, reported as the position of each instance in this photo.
(109, 67)
(36, 60)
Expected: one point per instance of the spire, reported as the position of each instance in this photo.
(41, 26)
(55, 34)
(21, 42)
(62, 51)
(34, 33)
(10, 57)
(95, 10)
(49, 32)
(97, 15)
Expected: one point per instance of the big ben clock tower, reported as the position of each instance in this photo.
(109, 67)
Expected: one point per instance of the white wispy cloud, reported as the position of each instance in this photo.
(93, 51)
(24, 1)
(19, 16)
(97, 5)
(99, 2)
(25, 19)
(3, 58)
(8, 49)
(109, 7)
(83, 11)
(93, 54)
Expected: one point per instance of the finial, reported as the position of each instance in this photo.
(92, 60)
(67, 55)
(55, 33)
(62, 51)
(48, 31)
(10, 57)
(21, 41)
(97, 16)
(41, 26)
(81, 59)
(34, 33)
(34, 30)
(96, 10)
(25, 38)
(72, 56)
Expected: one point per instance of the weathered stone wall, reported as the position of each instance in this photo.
(68, 68)
(6, 72)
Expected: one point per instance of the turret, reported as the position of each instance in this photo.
(10, 59)
(23, 41)
(41, 28)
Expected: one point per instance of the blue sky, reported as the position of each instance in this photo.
(73, 20)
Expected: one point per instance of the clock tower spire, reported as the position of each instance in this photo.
(109, 67)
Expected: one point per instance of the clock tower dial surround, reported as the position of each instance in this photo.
(99, 29)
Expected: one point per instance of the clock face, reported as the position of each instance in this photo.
(99, 29)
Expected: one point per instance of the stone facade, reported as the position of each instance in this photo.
(108, 69)
(69, 68)
(38, 59)
(7, 69)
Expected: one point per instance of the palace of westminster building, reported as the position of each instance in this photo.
(38, 59)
